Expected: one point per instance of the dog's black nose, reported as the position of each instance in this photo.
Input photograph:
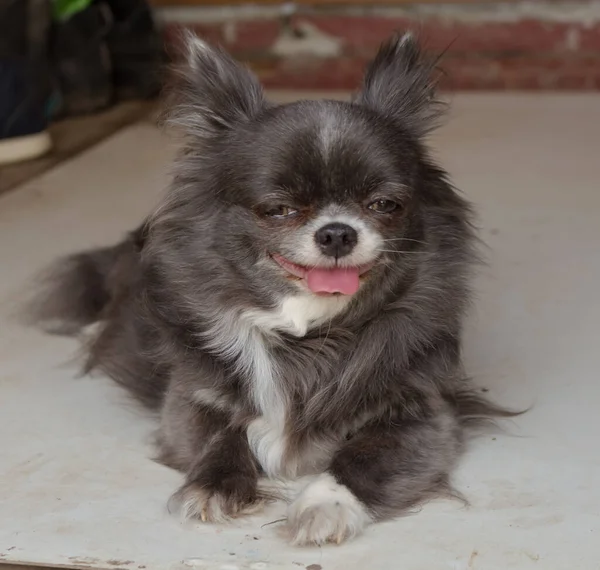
(336, 240)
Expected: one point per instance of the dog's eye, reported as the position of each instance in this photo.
(383, 206)
(280, 212)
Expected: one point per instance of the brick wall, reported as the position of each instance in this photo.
(529, 45)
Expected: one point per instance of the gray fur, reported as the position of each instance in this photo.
(200, 323)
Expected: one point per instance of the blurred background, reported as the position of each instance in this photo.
(89, 67)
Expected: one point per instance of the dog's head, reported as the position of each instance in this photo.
(322, 198)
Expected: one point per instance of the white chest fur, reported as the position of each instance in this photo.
(267, 433)
(297, 314)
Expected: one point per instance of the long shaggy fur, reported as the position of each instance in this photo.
(253, 374)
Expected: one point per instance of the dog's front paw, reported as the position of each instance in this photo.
(194, 501)
(325, 511)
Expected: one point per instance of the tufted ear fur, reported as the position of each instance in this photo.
(400, 83)
(212, 92)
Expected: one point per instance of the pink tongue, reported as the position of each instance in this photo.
(335, 280)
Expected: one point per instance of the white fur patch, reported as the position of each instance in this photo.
(326, 511)
(266, 436)
(196, 47)
(242, 339)
(368, 246)
(330, 130)
(246, 339)
(297, 314)
(202, 505)
(211, 398)
(198, 503)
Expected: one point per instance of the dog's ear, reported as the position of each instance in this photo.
(212, 93)
(400, 83)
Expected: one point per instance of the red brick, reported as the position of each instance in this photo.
(212, 33)
(480, 67)
(522, 36)
(589, 38)
(358, 33)
(364, 33)
(361, 35)
(461, 73)
(311, 73)
(577, 75)
(253, 35)
(468, 72)
(537, 72)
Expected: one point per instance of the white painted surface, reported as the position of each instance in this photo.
(77, 486)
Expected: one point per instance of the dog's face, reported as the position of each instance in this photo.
(316, 197)
(321, 195)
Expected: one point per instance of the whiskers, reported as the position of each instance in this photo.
(403, 251)
(405, 239)
(389, 246)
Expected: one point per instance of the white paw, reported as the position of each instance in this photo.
(194, 502)
(326, 511)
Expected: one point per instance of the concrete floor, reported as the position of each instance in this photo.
(73, 135)
(77, 487)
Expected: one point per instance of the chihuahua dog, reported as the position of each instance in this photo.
(293, 307)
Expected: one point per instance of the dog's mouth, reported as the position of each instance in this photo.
(326, 280)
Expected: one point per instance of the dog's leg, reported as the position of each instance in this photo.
(222, 482)
(381, 471)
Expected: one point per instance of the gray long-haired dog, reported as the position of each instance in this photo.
(294, 305)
